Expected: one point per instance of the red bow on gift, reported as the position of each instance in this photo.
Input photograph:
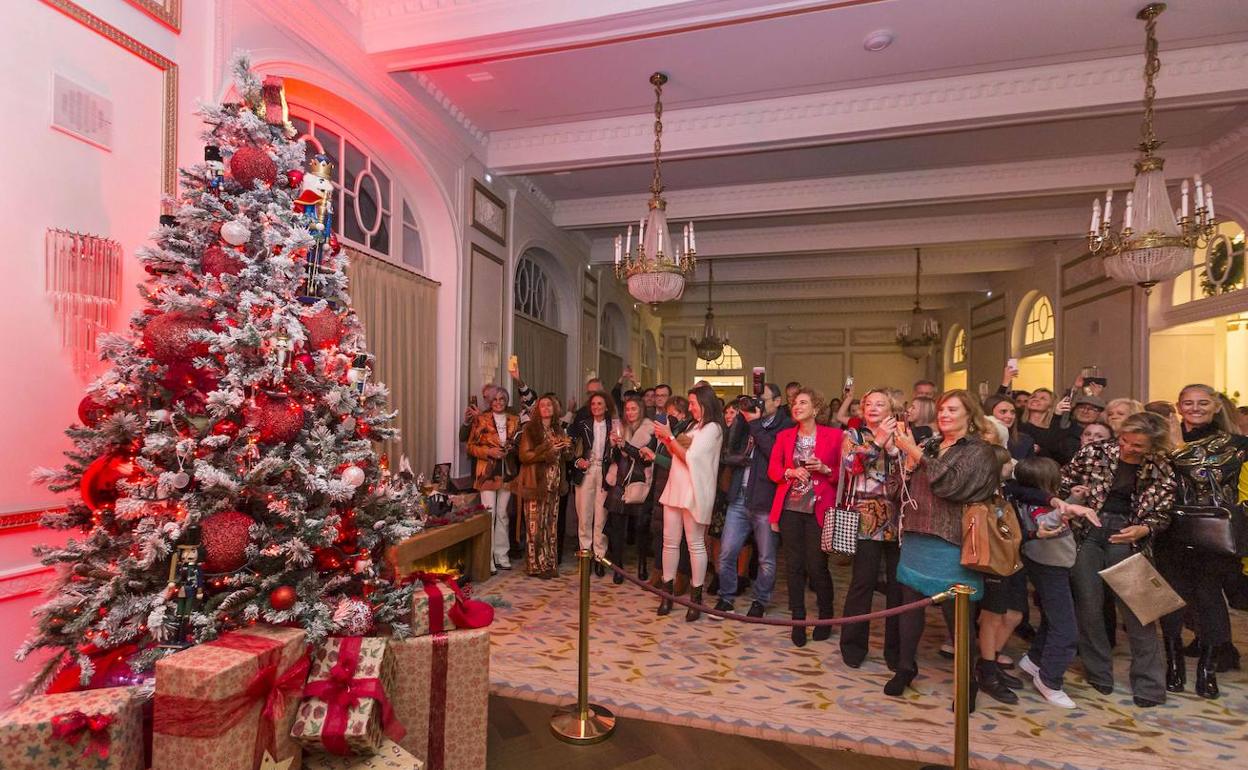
(342, 690)
(464, 612)
(73, 725)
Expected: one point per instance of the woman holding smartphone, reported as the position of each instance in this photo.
(805, 464)
(689, 498)
(543, 446)
(628, 480)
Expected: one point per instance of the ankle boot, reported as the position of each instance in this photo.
(1206, 672)
(695, 596)
(665, 605)
(643, 568)
(798, 633)
(1176, 666)
(822, 633)
(986, 676)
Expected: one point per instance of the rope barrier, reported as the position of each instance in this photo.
(842, 621)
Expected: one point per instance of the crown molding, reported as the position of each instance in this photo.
(1206, 74)
(449, 107)
(689, 314)
(937, 185)
(1228, 148)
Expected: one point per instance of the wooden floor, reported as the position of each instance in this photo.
(520, 738)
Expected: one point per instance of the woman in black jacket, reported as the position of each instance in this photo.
(627, 481)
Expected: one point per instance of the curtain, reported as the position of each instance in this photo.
(543, 354)
(399, 311)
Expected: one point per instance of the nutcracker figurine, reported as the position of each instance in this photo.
(316, 204)
(186, 580)
(216, 168)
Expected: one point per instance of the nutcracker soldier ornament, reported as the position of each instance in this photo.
(186, 580)
(315, 204)
(216, 168)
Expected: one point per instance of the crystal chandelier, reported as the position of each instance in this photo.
(711, 346)
(1156, 242)
(657, 271)
(918, 335)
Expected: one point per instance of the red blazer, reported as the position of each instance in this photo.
(827, 449)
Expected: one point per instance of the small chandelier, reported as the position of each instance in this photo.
(657, 271)
(918, 335)
(1156, 242)
(711, 346)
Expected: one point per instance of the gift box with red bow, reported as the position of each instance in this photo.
(220, 705)
(101, 729)
(391, 756)
(346, 707)
(439, 604)
(441, 695)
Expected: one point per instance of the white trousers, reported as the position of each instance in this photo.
(496, 500)
(591, 511)
(674, 520)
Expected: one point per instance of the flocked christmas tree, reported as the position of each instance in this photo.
(223, 471)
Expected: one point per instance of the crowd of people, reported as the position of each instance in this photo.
(712, 492)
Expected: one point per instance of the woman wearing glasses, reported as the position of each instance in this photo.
(492, 434)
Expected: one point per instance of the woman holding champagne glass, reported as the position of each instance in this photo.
(543, 447)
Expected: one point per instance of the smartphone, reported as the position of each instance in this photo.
(760, 377)
(513, 363)
(849, 383)
(472, 401)
(1012, 363)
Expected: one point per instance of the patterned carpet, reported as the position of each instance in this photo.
(750, 680)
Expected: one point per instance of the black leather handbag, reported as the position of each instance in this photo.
(1215, 529)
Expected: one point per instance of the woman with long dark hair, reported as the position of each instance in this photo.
(805, 464)
(592, 434)
(628, 480)
(689, 499)
(543, 446)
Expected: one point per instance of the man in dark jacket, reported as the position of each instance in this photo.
(749, 505)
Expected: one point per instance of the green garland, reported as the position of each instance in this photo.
(1216, 264)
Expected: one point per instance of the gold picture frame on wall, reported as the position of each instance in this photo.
(489, 213)
(169, 106)
(167, 12)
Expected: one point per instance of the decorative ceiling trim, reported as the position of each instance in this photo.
(167, 12)
(1044, 92)
(948, 185)
(451, 109)
(781, 289)
(894, 265)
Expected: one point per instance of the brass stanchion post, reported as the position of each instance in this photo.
(961, 678)
(583, 723)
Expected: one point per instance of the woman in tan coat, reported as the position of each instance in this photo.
(492, 434)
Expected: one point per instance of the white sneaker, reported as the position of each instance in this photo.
(1056, 697)
(1027, 666)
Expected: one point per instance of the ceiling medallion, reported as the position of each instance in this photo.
(1156, 242)
(657, 271)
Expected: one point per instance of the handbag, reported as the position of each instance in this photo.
(840, 525)
(636, 492)
(1211, 529)
(511, 459)
(991, 537)
(1142, 588)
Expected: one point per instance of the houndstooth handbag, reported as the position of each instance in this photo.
(840, 524)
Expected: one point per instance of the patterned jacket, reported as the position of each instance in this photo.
(1094, 466)
(488, 474)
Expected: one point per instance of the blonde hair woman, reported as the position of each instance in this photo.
(1118, 410)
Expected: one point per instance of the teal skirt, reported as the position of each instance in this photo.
(930, 565)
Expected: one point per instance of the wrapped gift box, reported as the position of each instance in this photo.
(431, 605)
(211, 699)
(391, 756)
(100, 729)
(441, 695)
(357, 727)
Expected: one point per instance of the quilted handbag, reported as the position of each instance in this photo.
(840, 525)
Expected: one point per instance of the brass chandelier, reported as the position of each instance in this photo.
(657, 271)
(920, 334)
(1156, 242)
(711, 345)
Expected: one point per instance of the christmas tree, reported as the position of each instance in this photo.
(223, 471)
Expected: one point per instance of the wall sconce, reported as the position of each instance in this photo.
(487, 360)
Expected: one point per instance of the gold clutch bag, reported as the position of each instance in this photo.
(1142, 588)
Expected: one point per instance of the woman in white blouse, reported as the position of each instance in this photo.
(690, 494)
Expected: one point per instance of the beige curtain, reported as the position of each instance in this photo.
(543, 354)
(399, 311)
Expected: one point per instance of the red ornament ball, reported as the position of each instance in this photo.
(294, 178)
(90, 412)
(99, 480)
(275, 418)
(282, 598)
(362, 430)
(328, 559)
(217, 261)
(168, 337)
(249, 164)
(306, 361)
(223, 539)
(324, 328)
(225, 428)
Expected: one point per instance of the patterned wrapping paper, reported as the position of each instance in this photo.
(441, 696)
(432, 613)
(210, 672)
(391, 756)
(27, 741)
(364, 728)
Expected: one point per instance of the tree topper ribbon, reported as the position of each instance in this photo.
(342, 690)
(71, 726)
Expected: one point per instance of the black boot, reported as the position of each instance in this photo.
(798, 633)
(1176, 666)
(1206, 672)
(665, 605)
(901, 680)
(695, 596)
(987, 676)
(643, 569)
(822, 633)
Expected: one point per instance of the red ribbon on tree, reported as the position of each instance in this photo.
(342, 691)
(72, 726)
(195, 718)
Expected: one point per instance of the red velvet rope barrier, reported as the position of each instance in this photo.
(888, 613)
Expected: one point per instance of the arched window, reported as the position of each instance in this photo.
(1032, 342)
(368, 201)
(1040, 327)
(534, 293)
(728, 361)
(955, 359)
(958, 358)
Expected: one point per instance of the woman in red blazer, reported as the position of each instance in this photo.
(804, 464)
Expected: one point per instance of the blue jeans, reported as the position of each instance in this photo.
(1057, 640)
(738, 522)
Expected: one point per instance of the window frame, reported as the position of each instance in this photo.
(726, 356)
